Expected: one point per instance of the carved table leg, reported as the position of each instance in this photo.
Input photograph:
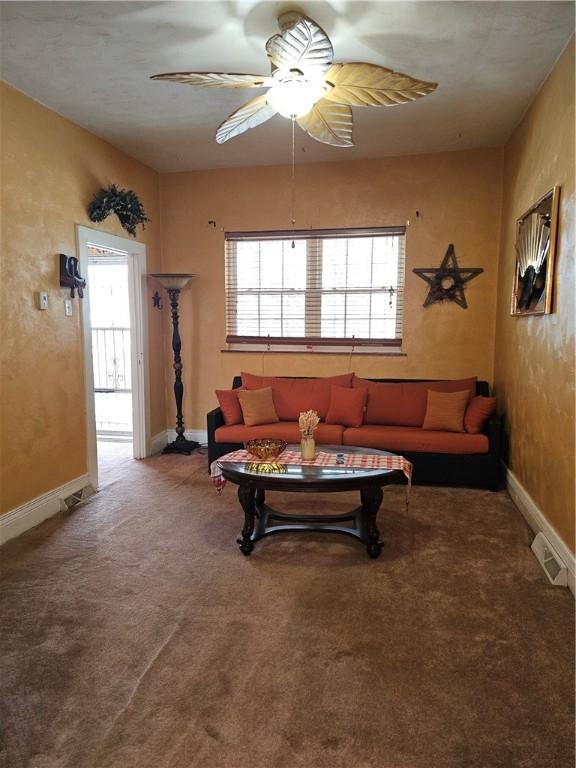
(246, 499)
(371, 499)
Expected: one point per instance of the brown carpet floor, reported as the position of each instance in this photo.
(135, 635)
(114, 460)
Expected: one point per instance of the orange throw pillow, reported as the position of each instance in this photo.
(347, 406)
(445, 411)
(257, 406)
(478, 413)
(229, 405)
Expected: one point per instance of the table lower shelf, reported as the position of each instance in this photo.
(261, 520)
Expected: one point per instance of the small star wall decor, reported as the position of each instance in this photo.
(447, 281)
(156, 300)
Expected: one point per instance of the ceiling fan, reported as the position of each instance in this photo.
(307, 86)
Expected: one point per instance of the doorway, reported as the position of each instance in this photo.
(115, 330)
(111, 359)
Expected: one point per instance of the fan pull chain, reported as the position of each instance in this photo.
(293, 190)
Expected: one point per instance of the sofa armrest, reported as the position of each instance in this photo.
(214, 419)
(493, 430)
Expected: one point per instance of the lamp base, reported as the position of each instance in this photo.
(181, 446)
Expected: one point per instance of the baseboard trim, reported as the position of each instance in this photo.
(35, 511)
(158, 442)
(200, 435)
(538, 523)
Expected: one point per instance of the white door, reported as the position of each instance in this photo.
(90, 240)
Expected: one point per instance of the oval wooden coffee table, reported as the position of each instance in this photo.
(260, 520)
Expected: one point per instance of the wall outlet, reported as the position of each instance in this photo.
(42, 300)
(68, 307)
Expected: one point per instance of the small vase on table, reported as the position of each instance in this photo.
(308, 421)
(307, 448)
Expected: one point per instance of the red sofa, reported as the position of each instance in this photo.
(393, 418)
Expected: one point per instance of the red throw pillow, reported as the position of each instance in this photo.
(346, 406)
(292, 396)
(229, 405)
(478, 412)
(404, 403)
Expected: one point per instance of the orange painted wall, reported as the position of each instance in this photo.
(50, 170)
(458, 196)
(535, 355)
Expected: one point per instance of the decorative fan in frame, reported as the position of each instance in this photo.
(307, 86)
(535, 251)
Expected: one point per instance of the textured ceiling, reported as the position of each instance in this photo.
(91, 62)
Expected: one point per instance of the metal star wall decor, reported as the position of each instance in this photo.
(447, 281)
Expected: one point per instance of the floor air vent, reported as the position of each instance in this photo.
(70, 502)
(553, 566)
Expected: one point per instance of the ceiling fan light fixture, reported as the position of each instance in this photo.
(307, 86)
(295, 97)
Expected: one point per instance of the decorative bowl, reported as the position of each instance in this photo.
(266, 448)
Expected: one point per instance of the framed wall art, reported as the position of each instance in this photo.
(535, 251)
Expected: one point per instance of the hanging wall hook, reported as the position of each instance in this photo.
(70, 276)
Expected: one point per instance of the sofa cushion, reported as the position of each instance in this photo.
(229, 405)
(293, 396)
(346, 406)
(326, 434)
(479, 410)
(257, 406)
(445, 411)
(412, 440)
(404, 403)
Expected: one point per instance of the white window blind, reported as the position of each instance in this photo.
(315, 287)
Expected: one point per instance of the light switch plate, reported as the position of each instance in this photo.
(42, 299)
(68, 307)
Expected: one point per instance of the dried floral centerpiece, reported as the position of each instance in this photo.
(307, 422)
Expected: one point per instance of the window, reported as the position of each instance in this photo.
(315, 288)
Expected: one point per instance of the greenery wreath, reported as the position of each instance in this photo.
(123, 202)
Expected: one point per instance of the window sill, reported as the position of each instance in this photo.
(281, 349)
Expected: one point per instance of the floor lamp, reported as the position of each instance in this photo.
(174, 283)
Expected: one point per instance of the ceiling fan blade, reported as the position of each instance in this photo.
(303, 45)
(216, 79)
(249, 115)
(362, 84)
(329, 123)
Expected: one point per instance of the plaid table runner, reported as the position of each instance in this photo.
(322, 459)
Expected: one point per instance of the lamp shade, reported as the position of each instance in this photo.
(295, 96)
(173, 280)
